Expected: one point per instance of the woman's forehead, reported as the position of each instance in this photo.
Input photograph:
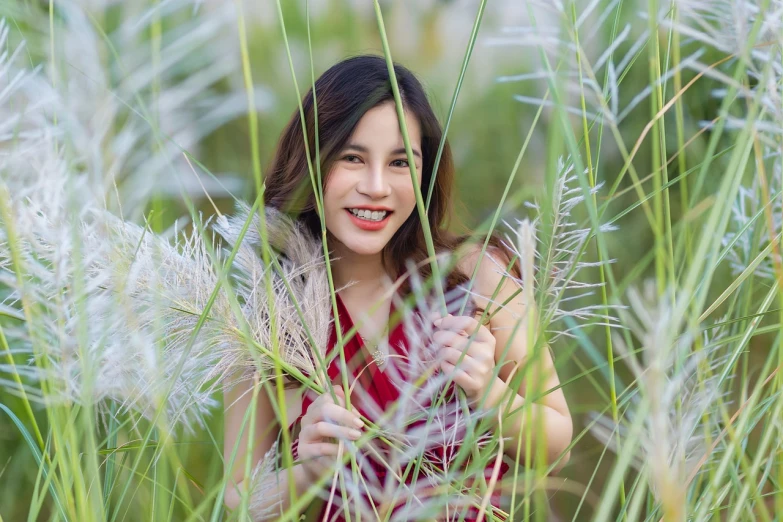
(379, 128)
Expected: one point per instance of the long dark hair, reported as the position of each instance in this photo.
(344, 93)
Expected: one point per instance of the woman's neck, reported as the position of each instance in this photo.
(365, 298)
(366, 273)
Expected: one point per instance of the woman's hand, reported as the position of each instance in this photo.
(475, 372)
(322, 426)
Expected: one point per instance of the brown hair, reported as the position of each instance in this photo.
(344, 93)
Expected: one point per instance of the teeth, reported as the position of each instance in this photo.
(376, 215)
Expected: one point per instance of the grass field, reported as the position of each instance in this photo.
(643, 141)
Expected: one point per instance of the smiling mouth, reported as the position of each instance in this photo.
(373, 216)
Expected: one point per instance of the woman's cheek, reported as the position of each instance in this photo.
(408, 195)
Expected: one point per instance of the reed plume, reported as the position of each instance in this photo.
(104, 309)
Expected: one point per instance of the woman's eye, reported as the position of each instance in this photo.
(350, 158)
(400, 163)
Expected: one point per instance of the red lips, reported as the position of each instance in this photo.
(365, 224)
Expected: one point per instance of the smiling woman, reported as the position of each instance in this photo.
(369, 187)
(371, 150)
(373, 230)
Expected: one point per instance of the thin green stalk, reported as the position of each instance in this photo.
(88, 468)
(409, 152)
(318, 190)
(465, 61)
(266, 256)
(53, 62)
(679, 113)
(604, 298)
(412, 165)
(159, 500)
(111, 442)
(658, 154)
(252, 115)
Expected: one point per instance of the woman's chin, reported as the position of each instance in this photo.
(363, 243)
(365, 249)
(363, 246)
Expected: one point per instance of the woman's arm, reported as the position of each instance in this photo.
(551, 409)
(237, 400)
(557, 427)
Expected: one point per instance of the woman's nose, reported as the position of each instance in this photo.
(375, 184)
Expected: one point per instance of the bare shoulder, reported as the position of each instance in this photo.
(493, 287)
(491, 262)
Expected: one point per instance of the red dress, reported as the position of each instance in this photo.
(376, 390)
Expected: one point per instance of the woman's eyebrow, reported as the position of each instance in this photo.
(402, 151)
(362, 148)
(357, 147)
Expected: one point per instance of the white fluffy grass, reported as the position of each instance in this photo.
(105, 308)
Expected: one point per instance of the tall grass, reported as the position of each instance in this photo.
(649, 241)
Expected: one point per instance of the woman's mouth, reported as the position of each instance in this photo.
(369, 219)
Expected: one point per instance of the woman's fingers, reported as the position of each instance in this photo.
(477, 369)
(335, 413)
(449, 338)
(478, 350)
(326, 398)
(464, 325)
(323, 430)
(464, 362)
(326, 421)
(319, 449)
(471, 374)
(460, 376)
(339, 415)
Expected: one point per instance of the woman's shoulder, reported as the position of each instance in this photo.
(495, 288)
(492, 263)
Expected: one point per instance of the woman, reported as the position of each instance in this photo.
(373, 228)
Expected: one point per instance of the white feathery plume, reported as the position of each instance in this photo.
(589, 68)
(140, 290)
(750, 230)
(107, 294)
(559, 258)
(106, 310)
(300, 286)
(677, 389)
(264, 490)
(727, 26)
(130, 106)
(92, 289)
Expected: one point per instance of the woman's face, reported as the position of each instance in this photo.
(369, 194)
